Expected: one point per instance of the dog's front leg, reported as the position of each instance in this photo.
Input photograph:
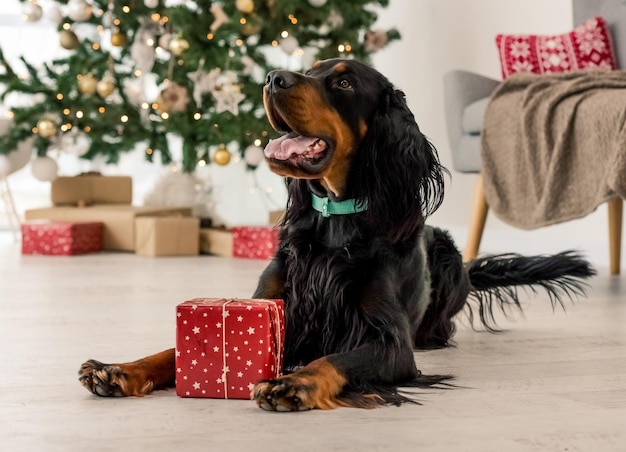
(137, 378)
(339, 380)
(272, 281)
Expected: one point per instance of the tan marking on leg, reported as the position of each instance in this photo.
(316, 385)
(130, 379)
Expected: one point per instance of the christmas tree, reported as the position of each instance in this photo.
(136, 71)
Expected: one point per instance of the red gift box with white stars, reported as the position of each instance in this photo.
(62, 238)
(224, 346)
(255, 242)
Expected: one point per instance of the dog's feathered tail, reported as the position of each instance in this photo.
(495, 281)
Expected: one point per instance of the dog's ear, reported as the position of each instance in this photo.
(397, 169)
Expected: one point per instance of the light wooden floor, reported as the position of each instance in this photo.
(553, 381)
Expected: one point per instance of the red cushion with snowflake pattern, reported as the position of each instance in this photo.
(588, 46)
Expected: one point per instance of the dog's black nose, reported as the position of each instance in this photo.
(280, 80)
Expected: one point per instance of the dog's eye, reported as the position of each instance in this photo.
(344, 84)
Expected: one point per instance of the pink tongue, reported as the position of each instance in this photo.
(289, 145)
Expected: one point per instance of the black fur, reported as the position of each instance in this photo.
(364, 289)
(495, 280)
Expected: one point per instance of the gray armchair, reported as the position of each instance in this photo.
(466, 97)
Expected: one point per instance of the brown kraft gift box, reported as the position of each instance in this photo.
(218, 242)
(119, 220)
(167, 236)
(91, 189)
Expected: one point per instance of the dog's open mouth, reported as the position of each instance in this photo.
(297, 149)
(306, 152)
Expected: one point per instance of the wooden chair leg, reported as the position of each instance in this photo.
(615, 234)
(477, 221)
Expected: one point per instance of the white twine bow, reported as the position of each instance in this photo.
(278, 339)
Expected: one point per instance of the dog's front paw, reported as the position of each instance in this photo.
(102, 379)
(283, 394)
(317, 385)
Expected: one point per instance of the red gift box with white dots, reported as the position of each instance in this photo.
(255, 242)
(224, 346)
(61, 237)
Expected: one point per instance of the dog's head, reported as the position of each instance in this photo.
(347, 128)
(324, 114)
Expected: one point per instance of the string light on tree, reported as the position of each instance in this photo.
(173, 67)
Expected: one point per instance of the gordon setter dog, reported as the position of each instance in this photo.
(364, 280)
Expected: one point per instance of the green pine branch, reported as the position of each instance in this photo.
(118, 123)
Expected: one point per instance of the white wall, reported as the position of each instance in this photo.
(437, 36)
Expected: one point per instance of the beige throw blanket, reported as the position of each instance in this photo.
(554, 146)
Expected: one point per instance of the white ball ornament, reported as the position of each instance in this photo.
(79, 10)
(31, 12)
(253, 155)
(151, 3)
(317, 3)
(289, 44)
(5, 166)
(19, 157)
(45, 169)
(55, 15)
(75, 142)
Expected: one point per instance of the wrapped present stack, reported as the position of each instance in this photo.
(149, 231)
(224, 346)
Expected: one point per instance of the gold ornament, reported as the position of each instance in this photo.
(68, 40)
(178, 46)
(46, 128)
(87, 84)
(222, 156)
(105, 87)
(118, 39)
(244, 6)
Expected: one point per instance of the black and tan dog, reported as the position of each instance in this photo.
(363, 279)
